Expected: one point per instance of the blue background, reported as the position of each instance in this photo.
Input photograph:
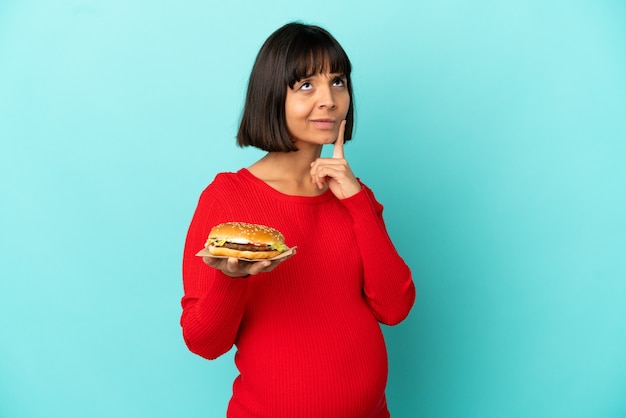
(493, 132)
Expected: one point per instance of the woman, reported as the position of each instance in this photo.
(306, 328)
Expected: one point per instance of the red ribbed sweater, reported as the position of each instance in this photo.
(308, 338)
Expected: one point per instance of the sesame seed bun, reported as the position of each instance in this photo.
(245, 240)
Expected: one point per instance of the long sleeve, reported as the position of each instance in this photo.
(388, 285)
(213, 303)
(297, 328)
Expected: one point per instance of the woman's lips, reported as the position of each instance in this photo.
(323, 123)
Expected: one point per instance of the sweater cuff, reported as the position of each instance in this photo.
(359, 204)
(226, 288)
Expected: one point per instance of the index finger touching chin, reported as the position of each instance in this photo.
(338, 148)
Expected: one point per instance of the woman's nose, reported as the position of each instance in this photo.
(326, 98)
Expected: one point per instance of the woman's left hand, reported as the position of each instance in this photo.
(335, 171)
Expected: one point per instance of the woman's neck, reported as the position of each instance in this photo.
(289, 172)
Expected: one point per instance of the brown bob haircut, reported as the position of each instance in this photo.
(293, 52)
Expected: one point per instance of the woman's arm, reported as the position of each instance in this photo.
(213, 303)
(388, 286)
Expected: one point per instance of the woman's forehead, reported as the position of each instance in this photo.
(313, 65)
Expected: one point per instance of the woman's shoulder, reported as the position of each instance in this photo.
(226, 183)
(227, 179)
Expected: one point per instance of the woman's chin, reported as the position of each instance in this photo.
(315, 141)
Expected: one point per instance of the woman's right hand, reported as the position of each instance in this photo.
(234, 267)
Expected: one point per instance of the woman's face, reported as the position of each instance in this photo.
(315, 107)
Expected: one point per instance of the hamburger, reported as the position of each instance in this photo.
(245, 240)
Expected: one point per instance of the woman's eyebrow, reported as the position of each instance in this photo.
(330, 75)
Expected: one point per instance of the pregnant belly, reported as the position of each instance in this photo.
(335, 368)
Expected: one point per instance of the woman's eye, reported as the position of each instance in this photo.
(306, 86)
(339, 82)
